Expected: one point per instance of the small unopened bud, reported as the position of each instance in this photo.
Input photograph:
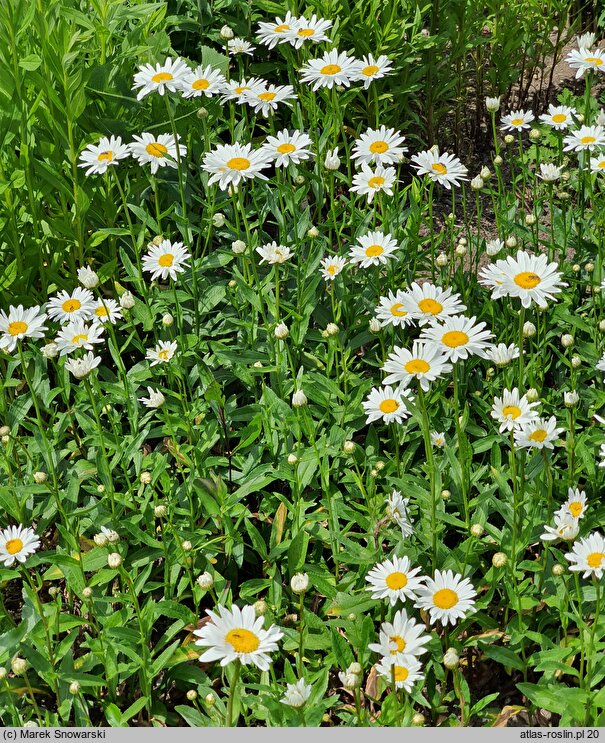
(418, 720)
(226, 33)
(160, 511)
(350, 681)
(202, 113)
(451, 659)
(40, 478)
(127, 301)
(571, 399)
(74, 687)
(218, 220)
(18, 665)
(313, 232)
(509, 139)
(492, 104)
(349, 447)
(498, 161)
(529, 329)
(485, 173)
(299, 180)
(511, 241)
(114, 560)
(332, 161)
(477, 530)
(567, 340)
(374, 325)
(5, 431)
(499, 560)
(299, 399)
(558, 569)
(530, 220)
(576, 361)
(50, 350)
(205, 581)
(186, 545)
(281, 331)
(261, 607)
(534, 134)
(157, 240)
(232, 284)
(167, 320)
(299, 583)
(3, 673)
(532, 394)
(145, 478)
(87, 592)
(442, 260)
(238, 247)
(191, 695)
(589, 267)
(100, 540)
(576, 268)
(477, 183)
(87, 277)
(332, 329)
(292, 459)
(100, 488)
(460, 250)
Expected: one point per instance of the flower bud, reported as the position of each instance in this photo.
(114, 560)
(532, 394)
(567, 340)
(74, 687)
(145, 478)
(485, 173)
(18, 665)
(127, 301)
(451, 659)
(498, 161)
(238, 247)
(87, 277)
(530, 220)
(50, 350)
(350, 681)
(167, 320)
(446, 495)
(87, 592)
(281, 331)
(292, 459)
(589, 267)
(499, 560)
(205, 581)
(3, 673)
(558, 569)
(299, 180)
(202, 113)
(210, 699)
(218, 219)
(160, 511)
(576, 361)
(40, 478)
(349, 447)
(442, 260)
(332, 328)
(332, 161)
(492, 104)
(511, 241)
(477, 183)
(5, 431)
(261, 607)
(529, 329)
(534, 134)
(299, 399)
(186, 545)
(374, 325)
(227, 33)
(418, 719)
(313, 232)
(477, 530)
(571, 399)
(509, 139)
(100, 540)
(460, 250)
(299, 583)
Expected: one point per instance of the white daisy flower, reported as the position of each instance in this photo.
(586, 41)
(165, 260)
(232, 164)
(448, 597)
(234, 90)
(237, 634)
(69, 306)
(267, 99)
(297, 694)
(512, 411)
(588, 556)
(308, 30)
(585, 138)
(392, 310)
(397, 511)
(387, 404)
(559, 117)
(369, 182)
(426, 363)
(157, 151)
(273, 253)
(240, 46)
(493, 247)
(20, 323)
(106, 310)
(597, 164)
(575, 505)
(155, 400)
(271, 34)
(160, 78)
(459, 337)
(82, 367)
(162, 353)
(429, 303)
(331, 266)
(443, 168)
(286, 148)
(394, 580)
(517, 120)
(405, 669)
(87, 277)
(438, 439)
(531, 278)
(493, 277)
(372, 69)
(381, 146)
(401, 635)
(502, 355)
(373, 249)
(98, 157)
(566, 528)
(539, 433)
(333, 68)
(78, 335)
(585, 59)
(205, 81)
(550, 173)
(17, 543)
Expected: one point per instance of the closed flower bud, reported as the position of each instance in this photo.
(509, 139)
(261, 607)
(332, 328)
(442, 260)
(202, 113)
(40, 478)
(114, 560)
(567, 340)
(87, 277)
(511, 242)
(529, 329)
(446, 495)
(18, 665)
(576, 361)
(292, 459)
(558, 569)
(418, 720)
(589, 267)
(160, 511)
(205, 581)
(186, 545)
(477, 183)
(499, 560)
(332, 161)
(348, 447)
(226, 33)
(374, 325)
(451, 659)
(210, 699)
(3, 673)
(167, 320)
(534, 134)
(532, 394)
(50, 350)
(100, 540)
(477, 530)
(281, 331)
(87, 592)
(238, 247)
(350, 681)
(571, 399)
(232, 284)
(299, 180)
(127, 301)
(145, 478)
(299, 399)
(313, 232)
(299, 583)
(485, 173)
(492, 104)
(192, 695)
(498, 161)
(74, 687)
(218, 220)
(530, 220)
(460, 250)
(5, 431)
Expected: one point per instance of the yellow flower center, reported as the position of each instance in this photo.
(575, 509)
(238, 163)
(370, 70)
(286, 148)
(164, 354)
(241, 89)
(81, 338)
(166, 260)
(373, 250)
(71, 305)
(594, 60)
(155, 149)
(162, 77)
(511, 410)
(101, 311)
(330, 69)
(445, 598)
(201, 84)
(379, 147)
(454, 338)
(306, 32)
(559, 118)
(397, 311)
(601, 164)
(417, 366)
(17, 327)
(396, 580)
(431, 306)
(517, 122)
(527, 280)
(106, 156)
(375, 182)
(588, 140)
(281, 29)
(266, 96)
(401, 673)
(400, 642)
(538, 435)
(14, 546)
(389, 406)
(439, 168)
(332, 269)
(595, 559)
(242, 640)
